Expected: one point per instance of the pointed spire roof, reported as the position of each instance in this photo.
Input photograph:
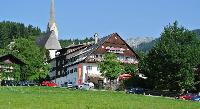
(52, 14)
(49, 41)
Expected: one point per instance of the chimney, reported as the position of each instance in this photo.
(96, 38)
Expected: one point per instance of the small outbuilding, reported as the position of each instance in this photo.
(7, 64)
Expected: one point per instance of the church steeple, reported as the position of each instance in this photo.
(52, 12)
(50, 39)
(52, 22)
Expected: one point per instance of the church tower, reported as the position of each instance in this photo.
(50, 39)
(52, 23)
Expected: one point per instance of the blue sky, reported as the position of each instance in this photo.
(83, 18)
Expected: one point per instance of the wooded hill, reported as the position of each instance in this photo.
(12, 30)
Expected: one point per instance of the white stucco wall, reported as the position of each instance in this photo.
(72, 77)
(60, 80)
(93, 71)
(53, 64)
(52, 53)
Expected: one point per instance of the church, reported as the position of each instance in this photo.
(50, 39)
(77, 64)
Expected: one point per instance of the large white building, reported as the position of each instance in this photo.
(79, 63)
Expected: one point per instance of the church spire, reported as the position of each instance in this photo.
(52, 22)
(52, 12)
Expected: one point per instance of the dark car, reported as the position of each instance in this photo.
(26, 83)
(136, 91)
(8, 83)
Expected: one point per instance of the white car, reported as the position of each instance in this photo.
(88, 86)
(69, 85)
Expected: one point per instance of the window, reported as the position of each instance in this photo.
(101, 56)
(71, 71)
(58, 63)
(63, 62)
(92, 56)
(89, 68)
(75, 69)
(58, 73)
(67, 72)
(97, 56)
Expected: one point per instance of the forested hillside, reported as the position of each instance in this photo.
(12, 30)
(67, 42)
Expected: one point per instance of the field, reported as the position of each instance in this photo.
(59, 98)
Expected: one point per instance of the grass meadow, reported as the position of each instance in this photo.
(60, 98)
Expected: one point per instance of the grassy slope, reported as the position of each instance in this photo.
(56, 98)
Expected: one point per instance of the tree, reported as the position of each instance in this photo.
(110, 67)
(130, 68)
(32, 56)
(170, 64)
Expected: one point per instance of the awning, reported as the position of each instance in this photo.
(125, 76)
(95, 76)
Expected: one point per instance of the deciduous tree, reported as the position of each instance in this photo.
(170, 64)
(110, 67)
(32, 56)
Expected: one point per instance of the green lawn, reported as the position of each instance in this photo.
(57, 98)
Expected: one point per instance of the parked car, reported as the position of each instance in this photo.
(49, 83)
(187, 96)
(87, 86)
(26, 83)
(69, 85)
(135, 91)
(8, 83)
(196, 98)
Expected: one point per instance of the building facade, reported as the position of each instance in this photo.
(79, 63)
(7, 65)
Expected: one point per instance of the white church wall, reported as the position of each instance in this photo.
(52, 53)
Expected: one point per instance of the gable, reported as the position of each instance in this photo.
(117, 45)
(10, 59)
